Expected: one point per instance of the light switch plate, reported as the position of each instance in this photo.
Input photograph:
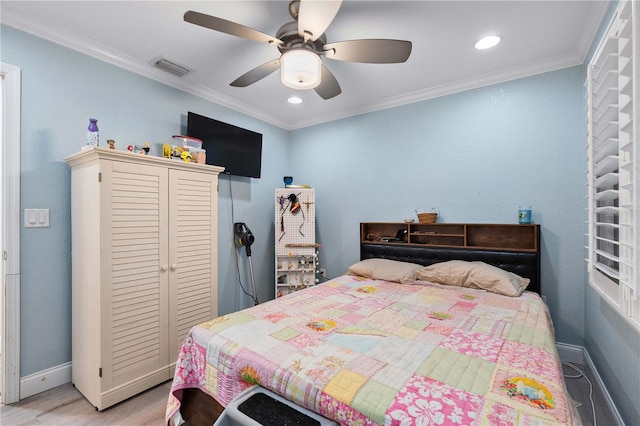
(36, 218)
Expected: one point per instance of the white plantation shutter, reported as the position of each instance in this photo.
(613, 161)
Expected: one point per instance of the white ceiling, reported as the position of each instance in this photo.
(538, 36)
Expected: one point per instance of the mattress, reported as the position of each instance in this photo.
(363, 352)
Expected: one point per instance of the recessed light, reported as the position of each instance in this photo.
(487, 42)
(294, 100)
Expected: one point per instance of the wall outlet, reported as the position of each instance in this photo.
(323, 272)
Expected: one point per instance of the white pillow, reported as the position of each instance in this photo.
(385, 269)
(474, 275)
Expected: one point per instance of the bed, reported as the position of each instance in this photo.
(388, 344)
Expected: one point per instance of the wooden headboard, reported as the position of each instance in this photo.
(525, 262)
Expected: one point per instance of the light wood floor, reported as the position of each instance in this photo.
(65, 406)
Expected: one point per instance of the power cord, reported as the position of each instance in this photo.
(322, 279)
(581, 374)
(235, 249)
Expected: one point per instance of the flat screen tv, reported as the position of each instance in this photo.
(238, 150)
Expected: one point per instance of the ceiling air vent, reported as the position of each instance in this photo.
(171, 67)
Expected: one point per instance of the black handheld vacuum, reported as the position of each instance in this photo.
(244, 238)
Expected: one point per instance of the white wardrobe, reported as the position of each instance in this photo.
(144, 267)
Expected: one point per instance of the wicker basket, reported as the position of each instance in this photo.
(427, 217)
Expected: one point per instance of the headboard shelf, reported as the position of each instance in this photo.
(515, 248)
(477, 235)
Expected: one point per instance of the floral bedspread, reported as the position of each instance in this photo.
(365, 352)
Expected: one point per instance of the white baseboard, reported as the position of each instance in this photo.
(45, 380)
(579, 355)
(571, 353)
(605, 393)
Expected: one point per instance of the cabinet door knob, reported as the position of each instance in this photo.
(164, 268)
(174, 266)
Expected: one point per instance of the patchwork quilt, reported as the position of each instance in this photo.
(366, 352)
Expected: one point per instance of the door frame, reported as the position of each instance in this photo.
(10, 215)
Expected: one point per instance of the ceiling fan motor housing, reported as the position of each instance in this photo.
(288, 34)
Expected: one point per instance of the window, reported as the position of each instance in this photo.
(613, 160)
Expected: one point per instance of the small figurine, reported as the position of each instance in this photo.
(176, 152)
(142, 150)
(186, 156)
(166, 150)
(111, 144)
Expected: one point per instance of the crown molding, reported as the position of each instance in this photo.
(514, 73)
(113, 57)
(592, 26)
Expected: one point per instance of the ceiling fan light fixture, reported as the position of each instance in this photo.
(300, 69)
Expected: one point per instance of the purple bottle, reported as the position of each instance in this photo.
(92, 133)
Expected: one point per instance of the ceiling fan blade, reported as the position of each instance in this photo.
(256, 74)
(314, 16)
(329, 86)
(371, 51)
(228, 27)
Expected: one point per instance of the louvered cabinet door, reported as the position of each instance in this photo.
(135, 278)
(193, 257)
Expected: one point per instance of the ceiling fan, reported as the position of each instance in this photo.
(302, 44)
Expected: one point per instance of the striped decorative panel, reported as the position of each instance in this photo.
(135, 217)
(193, 222)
